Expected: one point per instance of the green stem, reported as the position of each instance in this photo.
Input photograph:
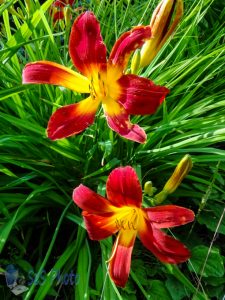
(134, 277)
(174, 270)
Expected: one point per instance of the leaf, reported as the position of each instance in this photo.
(210, 217)
(140, 270)
(158, 291)
(25, 30)
(214, 264)
(83, 268)
(110, 165)
(99, 278)
(216, 292)
(176, 289)
(215, 281)
(10, 92)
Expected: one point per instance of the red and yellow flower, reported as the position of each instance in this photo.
(121, 95)
(122, 213)
(58, 8)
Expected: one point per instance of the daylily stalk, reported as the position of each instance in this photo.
(181, 170)
(164, 21)
(122, 213)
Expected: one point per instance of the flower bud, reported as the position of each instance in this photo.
(148, 188)
(67, 16)
(28, 5)
(182, 169)
(165, 19)
(135, 62)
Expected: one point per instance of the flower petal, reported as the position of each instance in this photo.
(139, 95)
(90, 201)
(59, 15)
(127, 43)
(167, 216)
(123, 187)
(119, 266)
(100, 227)
(63, 3)
(72, 119)
(164, 247)
(118, 120)
(59, 3)
(86, 45)
(52, 73)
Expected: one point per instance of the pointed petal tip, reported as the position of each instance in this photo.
(168, 216)
(48, 72)
(90, 201)
(72, 119)
(166, 248)
(119, 121)
(86, 46)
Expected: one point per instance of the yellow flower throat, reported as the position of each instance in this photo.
(128, 219)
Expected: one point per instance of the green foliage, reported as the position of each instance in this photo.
(214, 266)
(41, 230)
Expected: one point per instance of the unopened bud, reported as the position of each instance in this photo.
(27, 2)
(148, 188)
(67, 16)
(135, 62)
(165, 19)
(182, 169)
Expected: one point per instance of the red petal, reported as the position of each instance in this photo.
(119, 121)
(123, 187)
(127, 43)
(59, 3)
(164, 247)
(48, 72)
(100, 227)
(88, 200)
(140, 96)
(167, 216)
(86, 45)
(59, 15)
(72, 119)
(63, 3)
(119, 266)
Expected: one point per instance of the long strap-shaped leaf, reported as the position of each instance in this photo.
(25, 30)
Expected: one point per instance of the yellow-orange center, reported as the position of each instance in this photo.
(129, 218)
(98, 87)
(104, 87)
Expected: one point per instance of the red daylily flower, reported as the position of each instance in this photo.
(122, 213)
(120, 95)
(60, 5)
